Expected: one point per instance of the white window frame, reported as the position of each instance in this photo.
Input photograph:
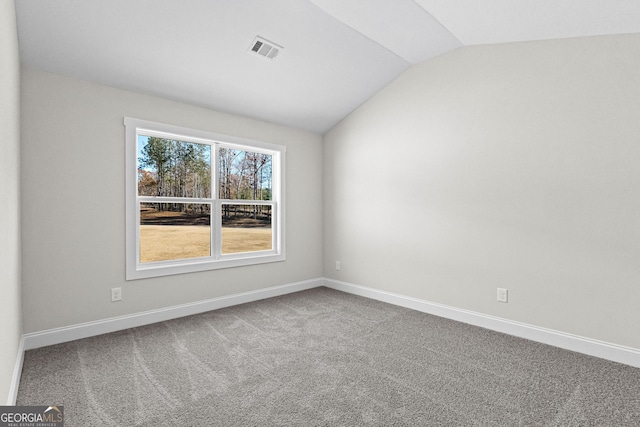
(137, 270)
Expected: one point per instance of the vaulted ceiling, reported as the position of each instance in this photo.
(335, 53)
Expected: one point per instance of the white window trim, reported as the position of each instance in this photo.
(135, 269)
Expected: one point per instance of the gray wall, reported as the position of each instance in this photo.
(512, 165)
(10, 306)
(73, 198)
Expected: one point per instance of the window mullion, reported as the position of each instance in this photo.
(215, 171)
(155, 199)
(216, 230)
(216, 212)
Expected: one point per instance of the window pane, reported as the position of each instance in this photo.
(244, 175)
(246, 228)
(173, 168)
(172, 231)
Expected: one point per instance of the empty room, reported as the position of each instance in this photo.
(320, 212)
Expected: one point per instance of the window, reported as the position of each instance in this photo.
(200, 201)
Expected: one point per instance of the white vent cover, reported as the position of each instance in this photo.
(264, 48)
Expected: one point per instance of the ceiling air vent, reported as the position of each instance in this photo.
(265, 48)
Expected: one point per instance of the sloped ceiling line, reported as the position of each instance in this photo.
(338, 53)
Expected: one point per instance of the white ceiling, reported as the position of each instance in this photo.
(337, 53)
(501, 21)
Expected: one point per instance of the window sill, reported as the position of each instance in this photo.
(196, 265)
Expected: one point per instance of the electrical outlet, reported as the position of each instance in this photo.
(503, 295)
(338, 266)
(116, 294)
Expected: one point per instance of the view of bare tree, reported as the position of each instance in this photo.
(170, 168)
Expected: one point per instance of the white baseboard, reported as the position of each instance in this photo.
(17, 372)
(616, 353)
(84, 330)
(591, 347)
